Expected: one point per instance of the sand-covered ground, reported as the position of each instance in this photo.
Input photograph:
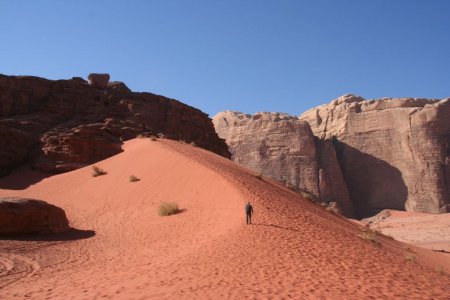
(123, 250)
(431, 231)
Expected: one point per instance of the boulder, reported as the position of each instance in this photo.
(284, 148)
(394, 152)
(119, 86)
(98, 80)
(23, 215)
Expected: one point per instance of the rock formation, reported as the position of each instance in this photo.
(395, 153)
(98, 80)
(22, 215)
(119, 86)
(61, 125)
(284, 148)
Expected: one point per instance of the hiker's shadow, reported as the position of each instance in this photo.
(276, 226)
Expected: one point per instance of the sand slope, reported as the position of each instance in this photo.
(124, 250)
(431, 231)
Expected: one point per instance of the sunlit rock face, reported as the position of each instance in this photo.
(394, 152)
(284, 148)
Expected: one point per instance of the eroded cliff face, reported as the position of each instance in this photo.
(65, 124)
(284, 148)
(394, 153)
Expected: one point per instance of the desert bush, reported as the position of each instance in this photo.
(290, 186)
(96, 171)
(334, 208)
(133, 178)
(193, 144)
(168, 208)
(309, 196)
(369, 235)
(153, 138)
(182, 141)
(258, 175)
(410, 257)
(161, 135)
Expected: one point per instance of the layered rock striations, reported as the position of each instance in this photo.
(284, 148)
(65, 124)
(394, 153)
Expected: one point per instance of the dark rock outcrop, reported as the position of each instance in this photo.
(119, 86)
(23, 215)
(98, 80)
(395, 153)
(65, 124)
(284, 148)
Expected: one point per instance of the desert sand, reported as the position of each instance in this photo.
(431, 231)
(122, 249)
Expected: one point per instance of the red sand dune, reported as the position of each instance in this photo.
(294, 250)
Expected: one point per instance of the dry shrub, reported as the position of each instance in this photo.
(168, 208)
(290, 186)
(409, 256)
(96, 171)
(309, 196)
(369, 235)
(133, 178)
(334, 208)
(153, 138)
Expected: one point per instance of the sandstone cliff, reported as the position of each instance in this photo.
(395, 153)
(284, 148)
(65, 124)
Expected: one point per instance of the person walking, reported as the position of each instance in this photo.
(249, 212)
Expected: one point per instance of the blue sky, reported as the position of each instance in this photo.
(243, 55)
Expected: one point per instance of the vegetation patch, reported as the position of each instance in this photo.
(133, 178)
(309, 196)
(331, 207)
(409, 256)
(369, 235)
(168, 208)
(96, 171)
(334, 208)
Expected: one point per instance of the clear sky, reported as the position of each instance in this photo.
(243, 55)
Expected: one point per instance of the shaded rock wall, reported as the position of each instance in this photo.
(65, 124)
(394, 152)
(284, 148)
